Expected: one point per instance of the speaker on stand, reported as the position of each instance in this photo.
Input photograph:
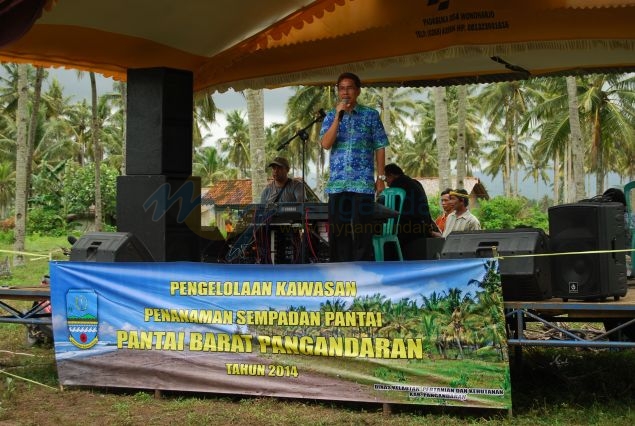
(588, 227)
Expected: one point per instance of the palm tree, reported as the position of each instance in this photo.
(505, 104)
(400, 319)
(33, 122)
(22, 161)
(256, 118)
(302, 109)
(577, 149)
(368, 303)
(536, 169)
(205, 111)
(120, 104)
(335, 305)
(209, 165)
(236, 143)
(551, 118)
(465, 123)
(396, 107)
(94, 136)
(56, 142)
(443, 135)
(418, 158)
(607, 106)
(7, 187)
(460, 137)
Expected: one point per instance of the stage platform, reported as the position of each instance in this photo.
(34, 315)
(560, 321)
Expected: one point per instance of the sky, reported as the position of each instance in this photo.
(274, 106)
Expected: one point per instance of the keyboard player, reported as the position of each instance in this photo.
(282, 188)
(279, 244)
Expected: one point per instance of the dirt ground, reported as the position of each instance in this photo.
(563, 387)
(39, 401)
(35, 405)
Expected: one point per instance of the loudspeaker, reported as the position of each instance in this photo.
(163, 212)
(522, 278)
(159, 131)
(588, 227)
(109, 247)
(422, 249)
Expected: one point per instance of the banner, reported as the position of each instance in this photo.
(420, 332)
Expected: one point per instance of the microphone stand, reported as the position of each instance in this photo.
(304, 136)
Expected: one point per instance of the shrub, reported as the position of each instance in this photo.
(45, 222)
(7, 237)
(79, 189)
(508, 213)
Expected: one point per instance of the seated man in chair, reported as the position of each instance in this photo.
(415, 218)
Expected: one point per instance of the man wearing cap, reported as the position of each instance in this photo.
(460, 219)
(282, 189)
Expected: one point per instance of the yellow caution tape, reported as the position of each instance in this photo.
(37, 256)
(494, 250)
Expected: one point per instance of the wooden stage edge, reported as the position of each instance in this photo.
(25, 293)
(593, 308)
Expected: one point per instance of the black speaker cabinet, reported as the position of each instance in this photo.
(523, 278)
(588, 227)
(159, 128)
(163, 212)
(109, 247)
(423, 249)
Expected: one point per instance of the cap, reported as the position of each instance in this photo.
(279, 161)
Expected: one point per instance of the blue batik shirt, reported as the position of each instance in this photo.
(352, 158)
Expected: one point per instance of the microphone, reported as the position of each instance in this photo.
(344, 101)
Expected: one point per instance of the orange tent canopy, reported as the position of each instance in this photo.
(254, 44)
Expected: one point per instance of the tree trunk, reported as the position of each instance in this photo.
(37, 97)
(386, 99)
(94, 134)
(597, 152)
(461, 154)
(513, 164)
(556, 179)
(124, 146)
(21, 167)
(577, 148)
(442, 131)
(507, 182)
(256, 117)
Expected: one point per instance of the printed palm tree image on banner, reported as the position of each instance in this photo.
(433, 333)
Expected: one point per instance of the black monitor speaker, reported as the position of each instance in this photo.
(109, 247)
(523, 278)
(596, 228)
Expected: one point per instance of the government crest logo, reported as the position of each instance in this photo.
(81, 317)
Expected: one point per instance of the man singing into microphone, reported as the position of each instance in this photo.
(357, 139)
